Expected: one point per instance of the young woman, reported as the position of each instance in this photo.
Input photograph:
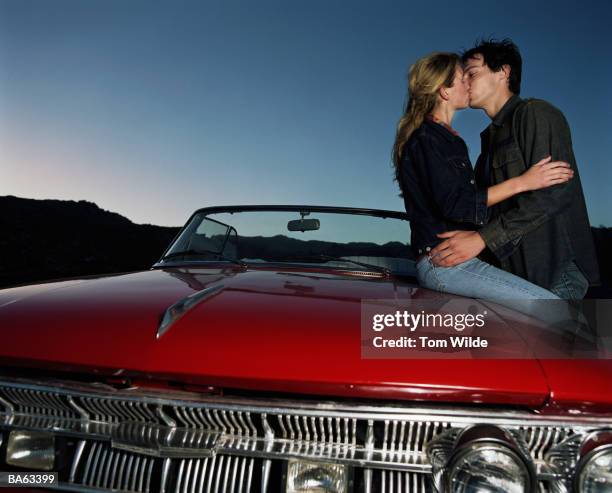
(433, 169)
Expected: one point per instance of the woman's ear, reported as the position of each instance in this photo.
(443, 93)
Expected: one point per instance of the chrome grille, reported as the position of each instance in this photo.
(401, 437)
(404, 482)
(37, 402)
(232, 422)
(393, 438)
(222, 473)
(97, 465)
(132, 439)
(317, 429)
(116, 410)
(100, 466)
(540, 440)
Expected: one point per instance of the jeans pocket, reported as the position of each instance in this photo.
(436, 273)
(421, 263)
(571, 283)
(427, 275)
(575, 281)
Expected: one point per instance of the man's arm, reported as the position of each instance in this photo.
(541, 130)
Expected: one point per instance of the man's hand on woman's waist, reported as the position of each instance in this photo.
(458, 247)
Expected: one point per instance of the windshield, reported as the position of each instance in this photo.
(330, 239)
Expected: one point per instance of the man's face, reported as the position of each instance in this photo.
(458, 93)
(482, 82)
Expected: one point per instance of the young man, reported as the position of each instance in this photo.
(543, 236)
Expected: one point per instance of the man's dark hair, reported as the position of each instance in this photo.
(495, 54)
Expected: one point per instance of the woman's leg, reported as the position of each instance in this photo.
(478, 279)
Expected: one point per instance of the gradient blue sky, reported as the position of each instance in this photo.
(154, 109)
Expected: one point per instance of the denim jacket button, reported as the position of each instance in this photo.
(428, 249)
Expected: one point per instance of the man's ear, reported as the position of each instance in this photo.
(506, 70)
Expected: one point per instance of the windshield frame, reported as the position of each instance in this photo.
(381, 213)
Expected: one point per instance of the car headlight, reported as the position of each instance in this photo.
(481, 458)
(594, 471)
(31, 449)
(316, 477)
(488, 467)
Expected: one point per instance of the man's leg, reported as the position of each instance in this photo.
(570, 283)
(478, 279)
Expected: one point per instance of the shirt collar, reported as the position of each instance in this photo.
(450, 129)
(506, 110)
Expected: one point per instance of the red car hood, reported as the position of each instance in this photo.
(276, 330)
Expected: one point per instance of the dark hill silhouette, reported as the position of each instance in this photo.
(281, 246)
(603, 246)
(51, 239)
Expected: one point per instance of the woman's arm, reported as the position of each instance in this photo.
(541, 175)
(443, 182)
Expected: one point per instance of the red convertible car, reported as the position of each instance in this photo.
(237, 364)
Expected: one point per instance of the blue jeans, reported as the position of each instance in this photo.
(570, 283)
(477, 279)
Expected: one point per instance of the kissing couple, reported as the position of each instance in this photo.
(513, 227)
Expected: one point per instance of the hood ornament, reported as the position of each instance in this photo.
(182, 306)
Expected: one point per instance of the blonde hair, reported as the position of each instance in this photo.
(425, 77)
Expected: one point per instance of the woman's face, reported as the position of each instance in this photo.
(459, 96)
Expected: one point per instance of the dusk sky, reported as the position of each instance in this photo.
(155, 109)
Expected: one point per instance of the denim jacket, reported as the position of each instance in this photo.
(438, 186)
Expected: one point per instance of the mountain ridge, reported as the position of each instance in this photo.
(47, 239)
(39, 242)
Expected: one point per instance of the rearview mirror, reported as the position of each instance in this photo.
(303, 225)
